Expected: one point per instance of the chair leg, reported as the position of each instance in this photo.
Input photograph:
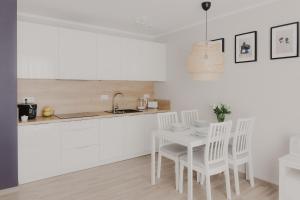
(159, 165)
(181, 178)
(176, 174)
(202, 179)
(208, 187)
(198, 177)
(247, 171)
(236, 179)
(251, 173)
(227, 179)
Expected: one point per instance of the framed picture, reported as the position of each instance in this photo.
(285, 41)
(221, 41)
(246, 47)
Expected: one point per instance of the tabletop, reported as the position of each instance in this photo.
(191, 136)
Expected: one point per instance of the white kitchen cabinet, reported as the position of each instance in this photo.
(131, 63)
(77, 55)
(143, 60)
(37, 51)
(38, 152)
(111, 139)
(79, 145)
(48, 150)
(51, 52)
(79, 158)
(79, 133)
(154, 59)
(138, 130)
(125, 137)
(109, 58)
(22, 70)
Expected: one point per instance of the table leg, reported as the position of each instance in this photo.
(190, 172)
(282, 174)
(153, 159)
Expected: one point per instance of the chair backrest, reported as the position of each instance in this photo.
(188, 116)
(242, 137)
(216, 148)
(165, 120)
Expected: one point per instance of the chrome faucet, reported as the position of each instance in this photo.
(115, 107)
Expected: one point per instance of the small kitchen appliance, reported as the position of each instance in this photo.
(142, 103)
(153, 104)
(27, 109)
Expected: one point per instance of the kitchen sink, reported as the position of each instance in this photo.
(124, 111)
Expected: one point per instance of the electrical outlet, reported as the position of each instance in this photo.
(104, 97)
(29, 99)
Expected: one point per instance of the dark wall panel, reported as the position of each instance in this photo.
(8, 94)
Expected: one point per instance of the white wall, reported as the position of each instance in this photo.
(267, 89)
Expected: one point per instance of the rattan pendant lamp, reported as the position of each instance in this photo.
(206, 61)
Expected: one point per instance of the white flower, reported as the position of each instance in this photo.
(214, 106)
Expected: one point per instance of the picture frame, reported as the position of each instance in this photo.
(284, 41)
(246, 47)
(222, 41)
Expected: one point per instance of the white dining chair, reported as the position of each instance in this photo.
(167, 150)
(188, 117)
(213, 159)
(240, 150)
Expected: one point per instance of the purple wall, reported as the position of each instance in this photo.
(8, 94)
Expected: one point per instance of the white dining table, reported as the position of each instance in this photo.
(185, 138)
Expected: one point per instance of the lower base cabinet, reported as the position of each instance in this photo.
(79, 158)
(39, 152)
(138, 135)
(111, 140)
(49, 150)
(79, 145)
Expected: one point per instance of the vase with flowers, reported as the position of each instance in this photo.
(221, 111)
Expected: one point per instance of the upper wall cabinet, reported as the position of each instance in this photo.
(109, 57)
(48, 52)
(37, 51)
(143, 60)
(153, 57)
(77, 55)
(130, 60)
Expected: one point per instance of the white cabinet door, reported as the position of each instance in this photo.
(134, 136)
(111, 140)
(38, 152)
(78, 55)
(37, 51)
(143, 60)
(154, 59)
(79, 158)
(79, 133)
(150, 124)
(109, 57)
(138, 130)
(22, 68)
(131, 60)
(79, 145)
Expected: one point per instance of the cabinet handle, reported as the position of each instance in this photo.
(83, 147)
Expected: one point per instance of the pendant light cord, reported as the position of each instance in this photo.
(206, 40)
(206, 28)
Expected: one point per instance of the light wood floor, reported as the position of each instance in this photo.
(129, 180)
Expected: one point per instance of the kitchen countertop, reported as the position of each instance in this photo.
(98, 115)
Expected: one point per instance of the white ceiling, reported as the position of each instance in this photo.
(163, 16)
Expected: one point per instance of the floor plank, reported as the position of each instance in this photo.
(129, 180)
